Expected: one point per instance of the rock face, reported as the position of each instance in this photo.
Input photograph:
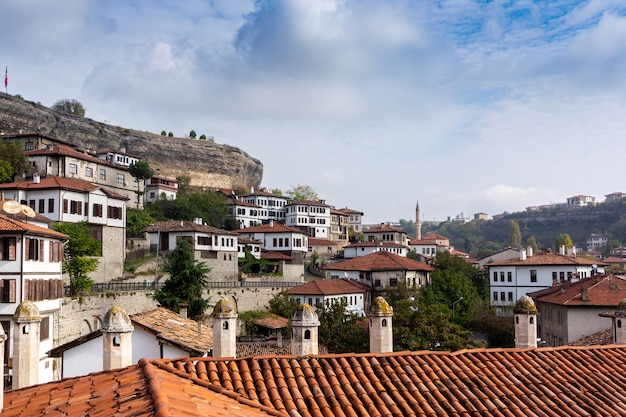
(207, 163)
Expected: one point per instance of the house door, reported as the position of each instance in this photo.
(164, 241)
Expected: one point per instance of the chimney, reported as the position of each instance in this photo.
(183, 310)
(117, 339)
(529, 251)
(304, 331)
(619, 323)
(525, 323)
(381, 329)
(562, 249)
(36, 178)
(522, 254)
(584, 293)
(224, 329)
(3, 337)
(271, 223)
(26, 345)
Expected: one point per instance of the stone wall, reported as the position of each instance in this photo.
(207, 163)
(82, 315)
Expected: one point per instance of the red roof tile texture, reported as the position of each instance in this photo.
(380, 261)
(62, 183)
(330, 287)
(548, 259)
(601, 290)
(13, 226)
(557, 382)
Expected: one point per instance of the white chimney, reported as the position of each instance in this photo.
(36, 178)
(522, 254)
(117, 339)
(224, 329)
(183, 310)
(562, 249)
(525, 323)
(271, 223)
(529, 251)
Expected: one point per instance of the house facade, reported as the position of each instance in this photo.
(338, 227)
(513, 278)
(386, 233)
(323, 293)
(217, 248)
(72, 200)
(311, 217)
(354, 250)
(572, 310)
(355, 219)
(157, 188)
(382, 269)
(246, 214)
(270, 206)
(31, 259)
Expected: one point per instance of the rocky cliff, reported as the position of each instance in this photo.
(207, 163)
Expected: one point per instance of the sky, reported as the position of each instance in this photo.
(465, 106)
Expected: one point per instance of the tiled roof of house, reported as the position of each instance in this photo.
(602, 290)
(236, 202)
(434, 236)
(316, 203)
(347, 210)
(71, 184)
(314, 241)
(564, 381)
(414, 242)
(273, 227)
(12, 226)
(173, 329)
(383, 228)
(275, 256)
(272, 321)
(375, 244)
(22, 216)
(547, 259)
(603, 337)
(330, 287)
(185, 226)
(614, 260)
(66, 151)
(380, 261)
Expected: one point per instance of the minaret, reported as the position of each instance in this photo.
(381, 329)
(224, 329)
(26, 345)
(418, 222)
(117, 349)
(304, 331)
(525, 323)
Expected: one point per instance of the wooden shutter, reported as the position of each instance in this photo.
(41, 252)
(11, 291)
(27, 248)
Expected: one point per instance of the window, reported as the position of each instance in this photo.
(34, 249)
(501, 276)
(7, 290)
(509, 276)
(96, 210)
(204, 240)
(88, 172)
(44, 328)
(495, 276)
(7, 248)
(73, 168)
(393, 282)
(42, 206)
(114, 212)
(495, 296)
(50, 205)
(65, 205)
(119, 178)
(29, 146)
(562, 276)
(103, 174)
(533, 275)
(510, 296)
(502, 296)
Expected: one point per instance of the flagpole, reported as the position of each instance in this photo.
(6, 79)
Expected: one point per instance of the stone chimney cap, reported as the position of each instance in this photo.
(305, 315)
(380, 307)
(27, 312)
(525, 305)
(117, 320)
(224, 308)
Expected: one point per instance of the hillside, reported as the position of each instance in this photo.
(545, 225)
(207, 163)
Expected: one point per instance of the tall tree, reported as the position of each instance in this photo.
(532, 242)
(187, 281)
(515, 236)
(80, 252)
(342, 331)
(563, 239)
(15, 163)
(283, 304)
(70, 106)
(141, 171)
(192, 134)
(301, 192)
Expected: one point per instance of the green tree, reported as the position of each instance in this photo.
(283, 304)
(203, 136)
(80, 252)
(141, 171)
(301, 193)
(342, 331)
(15, 160)
(192, 134)
(500, 330)
(6, 172)
(70, 106)
(163, 133)
(532, 242)
(137, 221)
(187, 281)
(467, 273)
(515, 236)
(563, 239)
(170, 134)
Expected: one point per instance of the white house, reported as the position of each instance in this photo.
(386, 233)
(30, 270)
(270, 206)
(72, 200)
(159, 333)
(312, 217)
(246, 214)
(365, 248)
(597, 241)
(355, 219)
(217, 248)
(157, 188)
(581, 201)
(289, 245)
(322, 293)
(118, 157)
(513, 278)
(382, 269)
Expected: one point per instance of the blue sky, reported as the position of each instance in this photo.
(467, 106)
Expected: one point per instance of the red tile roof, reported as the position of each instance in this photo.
(602, 291)
(185, 226)
(383, 228)
(548, 259)
(13, 226)
(275, 256)
(380, 261)
(375, 244)
(313, 241)
(62, 183)
(558, 382)
(274, 227)
(330, 287)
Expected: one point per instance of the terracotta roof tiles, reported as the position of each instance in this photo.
(548, 259)
(602, 290)
(330, 287)
(52, 182)
(12, 226)
(185, 226)
(380, 261)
